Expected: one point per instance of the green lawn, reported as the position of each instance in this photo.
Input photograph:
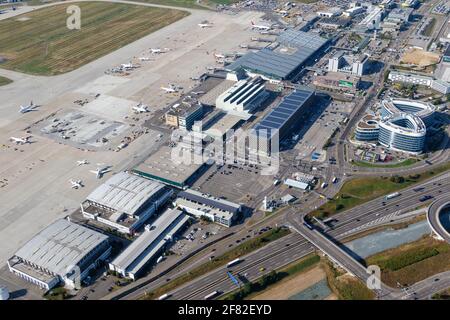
(238, 251)
(360, 190)
(412, 262)
(4, 81)
(39, 42)
(404, 163)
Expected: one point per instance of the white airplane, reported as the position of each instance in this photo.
(260, 27)
(159, 50)
(101, 171)
(127, 66)
(140, 108)
(22, 140)
(81, 162)
(171, 89)
(76, 184)
(205, 25)
(219, 56)
(28, 108)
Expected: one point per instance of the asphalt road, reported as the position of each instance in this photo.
(433, 214)
(279, 253)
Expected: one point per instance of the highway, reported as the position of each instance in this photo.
(292, 247)
(433, 216)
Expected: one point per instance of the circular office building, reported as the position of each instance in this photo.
(367, 128)
(423, 110)
(403, 132)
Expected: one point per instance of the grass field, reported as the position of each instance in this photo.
(360, 190)
(4, 81)
(43, 45)
(238, 251)
(344, 286)
(404, 163)
(412, 262)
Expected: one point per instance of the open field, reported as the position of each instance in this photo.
(346, 287)
(412, 262)
(291, 285)
(420, 57)
(39, 42)
(360, 190)
(4, 81)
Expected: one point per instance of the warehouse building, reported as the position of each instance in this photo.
(62, 253)
(283, 62)
(200, 204)
(154, 239)
(278, 123)
(243, 98)
(125, 201)
(175, 167)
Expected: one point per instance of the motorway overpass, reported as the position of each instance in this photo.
(433, 217)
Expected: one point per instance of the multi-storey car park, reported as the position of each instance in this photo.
(64, 252)
(154, 239)
(277, 124)
(125, 201)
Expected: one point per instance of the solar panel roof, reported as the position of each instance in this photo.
(275, 119)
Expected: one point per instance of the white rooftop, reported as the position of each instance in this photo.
(125, 192)
(60, 246)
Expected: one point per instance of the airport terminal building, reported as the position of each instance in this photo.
(294, 48)
(64, 252)
(125, 201)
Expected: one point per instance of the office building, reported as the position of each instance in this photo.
(200, 204)
(341, 62)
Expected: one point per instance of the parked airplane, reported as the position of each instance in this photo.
(101, 171)
(22, 140)
(76, 184)
(159, 50)
(140, 108)
(205, 25)
(260, 27)
(170, 89)
(81, 162)
(127, 66)
(28, 108)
